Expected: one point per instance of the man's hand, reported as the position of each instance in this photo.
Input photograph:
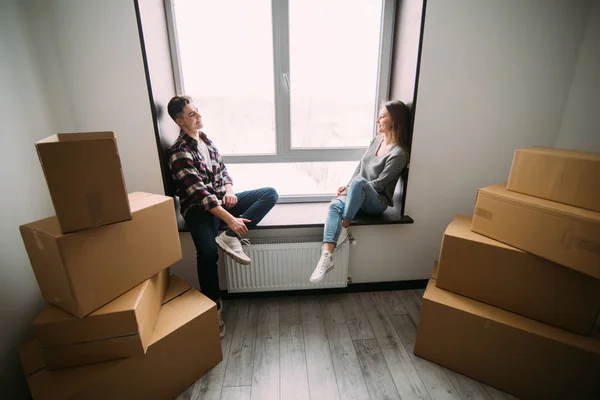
(238, 225)
(230, 199)
(341, 190)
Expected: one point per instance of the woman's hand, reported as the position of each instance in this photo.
(341, 190)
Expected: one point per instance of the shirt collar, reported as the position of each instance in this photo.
(190, 140)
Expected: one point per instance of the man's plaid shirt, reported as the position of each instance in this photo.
(195, 184)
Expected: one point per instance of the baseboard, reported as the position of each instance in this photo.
(351, 288)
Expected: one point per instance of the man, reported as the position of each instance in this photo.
(205, 190)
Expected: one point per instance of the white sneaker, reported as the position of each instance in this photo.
(324, 265)
(233, 248)
(344, 235)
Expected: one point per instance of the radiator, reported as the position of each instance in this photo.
(284, 264)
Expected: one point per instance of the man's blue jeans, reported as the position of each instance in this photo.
(252, 205)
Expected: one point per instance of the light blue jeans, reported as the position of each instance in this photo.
(359, 196)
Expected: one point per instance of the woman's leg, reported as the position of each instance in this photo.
(331, 232)
(361, 195)
(333, 222)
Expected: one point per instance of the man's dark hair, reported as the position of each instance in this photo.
(177, 104)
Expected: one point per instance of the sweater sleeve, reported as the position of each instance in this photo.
(392, 169)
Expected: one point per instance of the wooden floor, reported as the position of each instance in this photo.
(347, 346)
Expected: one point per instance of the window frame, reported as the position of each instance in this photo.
(285, 153)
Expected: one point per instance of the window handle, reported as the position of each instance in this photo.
(286, 79)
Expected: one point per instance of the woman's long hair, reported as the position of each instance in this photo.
(400, 119)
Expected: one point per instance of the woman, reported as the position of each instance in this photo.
(372, 184)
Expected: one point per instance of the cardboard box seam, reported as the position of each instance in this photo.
(540, 208)
(91, 341)
(64, 266)
(179, 295)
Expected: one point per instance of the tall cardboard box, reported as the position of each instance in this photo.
(85, 179)
(565, 234)
(565, 176)
(521, 356)
(184, 347)
(81, 271)
(121, 328)
(503, 276)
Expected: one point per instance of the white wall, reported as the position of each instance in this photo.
(101, 63)
(580, 127)
(25, 119)
(494, 77)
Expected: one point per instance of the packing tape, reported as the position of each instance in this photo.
(94, 208)
(480, 212)
(571, 240)
(588, 245)
(38, 240)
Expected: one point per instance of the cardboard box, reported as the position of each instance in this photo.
(565, 176)
(494, 273)
(567, 235)
(184, 347)
(85, 179)
(122, 328)
(521, 356)
(82, 271)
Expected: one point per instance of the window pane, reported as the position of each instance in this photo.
(334, 52)
(226, 54)
(293, 179)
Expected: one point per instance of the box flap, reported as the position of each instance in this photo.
(125, 302)
(149, 305)
(177, 287)
(179, 311)
(437, 295)
(72, 137)
(500, 193)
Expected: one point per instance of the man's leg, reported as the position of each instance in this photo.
(254, 204)
(203, 227)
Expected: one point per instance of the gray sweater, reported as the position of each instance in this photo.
(381, 172)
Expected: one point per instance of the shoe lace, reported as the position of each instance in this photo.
(321, 265)
(245, 242)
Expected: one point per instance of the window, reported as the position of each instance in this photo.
(288, 89)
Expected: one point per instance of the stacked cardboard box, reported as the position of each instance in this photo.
(516, 295)
(115, 321)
